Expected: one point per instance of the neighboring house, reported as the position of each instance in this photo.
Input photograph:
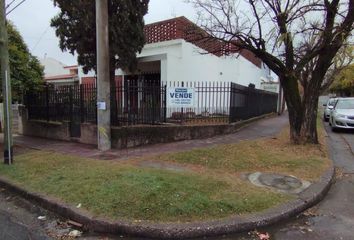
(57, 73)
(174, 52)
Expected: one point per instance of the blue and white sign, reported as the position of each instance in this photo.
(180, 97)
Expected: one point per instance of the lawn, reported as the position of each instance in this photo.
(307, 162)
(266, 155)
(121, 191)
(212, 187)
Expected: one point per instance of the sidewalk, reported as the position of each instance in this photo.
(263, 128)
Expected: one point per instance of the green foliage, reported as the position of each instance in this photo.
(344, 81)
(26, 70)
(76, 28)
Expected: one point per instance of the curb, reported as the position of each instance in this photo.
(234, 224)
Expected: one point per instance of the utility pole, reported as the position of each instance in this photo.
(6, 86)
(103, 79)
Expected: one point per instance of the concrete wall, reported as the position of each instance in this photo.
(50, 130)
(88, 134)
(127, 137)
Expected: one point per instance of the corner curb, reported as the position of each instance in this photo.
(234, 224)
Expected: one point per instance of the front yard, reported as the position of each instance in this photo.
(205, 184)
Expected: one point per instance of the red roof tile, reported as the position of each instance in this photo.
(182, 28)
(58, 77)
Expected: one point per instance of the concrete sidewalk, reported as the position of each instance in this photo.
(262, 128)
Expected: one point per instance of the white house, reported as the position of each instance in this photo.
(175, 55)
(57, 73)
(172, 53)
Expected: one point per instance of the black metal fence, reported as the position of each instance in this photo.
(248, 102)
(64, 103)
(145, 102)
(212, 103)
(138, 102)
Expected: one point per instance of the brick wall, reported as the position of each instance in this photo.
(182, 28)
(92, 80)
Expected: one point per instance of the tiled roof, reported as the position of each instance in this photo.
(59, 77)
(73, 66)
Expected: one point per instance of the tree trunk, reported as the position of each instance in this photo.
(308, 132)
(293, 101)
(302, 113)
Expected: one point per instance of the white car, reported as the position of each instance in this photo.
(342, 115)
(328, 108)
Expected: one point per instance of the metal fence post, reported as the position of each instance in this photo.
(71, 104)
(47, 103)
(165, 104)
(82, 115)
(182, 110)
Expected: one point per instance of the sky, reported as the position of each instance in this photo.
(32, 19)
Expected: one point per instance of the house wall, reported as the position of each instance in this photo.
(53, 67)
(188, 63)
(183, 61)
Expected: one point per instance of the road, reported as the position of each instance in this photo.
(331, 219)
(18, 219)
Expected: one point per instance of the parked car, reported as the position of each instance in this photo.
(342, 115)
(328, 108)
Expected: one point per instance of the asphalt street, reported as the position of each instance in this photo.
(18, 219)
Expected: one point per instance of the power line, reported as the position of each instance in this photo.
(15, 7)
(8, 5)
(40, 38)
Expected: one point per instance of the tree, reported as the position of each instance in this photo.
(344, 81)
(76, 28)
(298, 40)
(26, 70)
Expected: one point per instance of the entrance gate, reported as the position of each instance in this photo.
(75, 104)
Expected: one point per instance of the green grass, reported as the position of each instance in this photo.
(244, 157)
(267, 155)
(122, 191)
(211, 188)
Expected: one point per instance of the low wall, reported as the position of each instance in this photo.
(127, 137)
(44, 129)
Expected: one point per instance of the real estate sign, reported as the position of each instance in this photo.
(180, 97)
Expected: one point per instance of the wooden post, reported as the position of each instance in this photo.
(6, 87)
(103, 79)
